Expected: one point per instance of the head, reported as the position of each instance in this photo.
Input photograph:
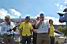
(65, 10)
(38, 18)
(27, 19)
(7, 19)
(50, 21)
(42, 17)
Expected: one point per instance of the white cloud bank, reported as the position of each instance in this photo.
(3, 13)
(60, 6)
(65, 1)
(15, 12)
(55, 20)
(12, 13)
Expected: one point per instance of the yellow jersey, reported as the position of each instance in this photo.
(51, 33)
(26, 29)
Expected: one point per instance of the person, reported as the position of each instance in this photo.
(42, 31)
(6, 28)
(51, 32)
(34, 33)
(26, 30)
(17, 33)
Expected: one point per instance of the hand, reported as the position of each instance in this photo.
(35, 30)
(9, 30)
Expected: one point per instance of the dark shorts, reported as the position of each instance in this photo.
(26, 38)
(34, 37)
(52, 40)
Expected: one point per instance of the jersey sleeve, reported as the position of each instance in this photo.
(31, 27)
(21, 26)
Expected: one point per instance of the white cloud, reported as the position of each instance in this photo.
(39, 14)
(3, 13)
(12, 13)
(65, 1)
(55, 20)
(36, 16)
(42, 12)
(60, 8)
(57, 4)
(15, 12)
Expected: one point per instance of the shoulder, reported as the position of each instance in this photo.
(12, 23)
(30, 23)
(3, 23)
(22, 23)
(46, 22)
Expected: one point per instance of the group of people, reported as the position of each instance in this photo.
(27, 29)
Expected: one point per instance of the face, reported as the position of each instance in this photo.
(51, 22)
(7, 20)
(42, 18)
(38, 18)
(27, 20)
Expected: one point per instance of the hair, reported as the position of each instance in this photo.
(37, 18)
(50, 20)
(8, 17)
(27, 17)
(41, 15)
(65, 10)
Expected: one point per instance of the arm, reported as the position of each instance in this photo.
(20, 32)
(31, 30)
(48, 30)
(13, 27)
(37, 24)
(21, 28)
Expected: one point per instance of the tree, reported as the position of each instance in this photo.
(60, 28)
(64, 31)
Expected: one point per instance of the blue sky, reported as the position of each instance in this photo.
(33, 7)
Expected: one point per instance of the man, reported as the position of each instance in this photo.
(6, 30)
(42, 31)
(26, 30)
(34, 33)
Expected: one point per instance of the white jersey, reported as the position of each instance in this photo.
(5, 28)
(43, 28)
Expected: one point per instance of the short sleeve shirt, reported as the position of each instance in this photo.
(26, 28)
